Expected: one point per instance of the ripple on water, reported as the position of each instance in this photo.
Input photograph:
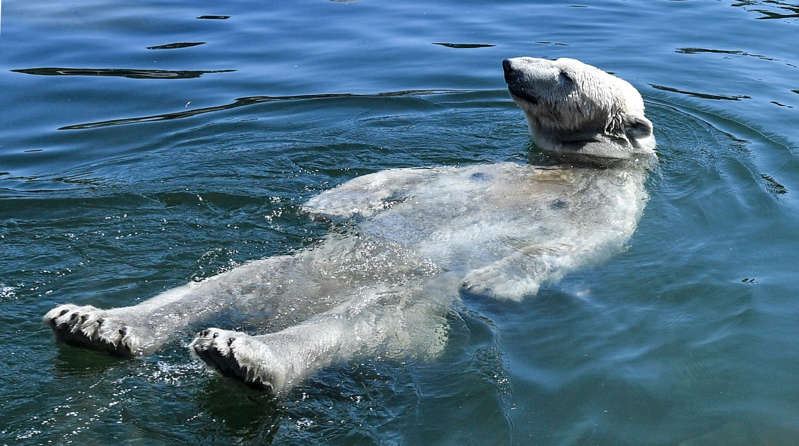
(171, 166)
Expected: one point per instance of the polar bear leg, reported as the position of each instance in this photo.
(377, 321)
(143, 328)
(293, 288)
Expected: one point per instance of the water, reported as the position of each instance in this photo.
(145, 144)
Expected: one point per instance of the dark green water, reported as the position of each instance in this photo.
(145, 144)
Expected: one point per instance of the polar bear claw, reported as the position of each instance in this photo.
(236, 355)
(93, 328)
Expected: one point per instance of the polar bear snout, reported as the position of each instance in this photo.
(521, 81)
(532, 80)
(507, 67)
(514, 77)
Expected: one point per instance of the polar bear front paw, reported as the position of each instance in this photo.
(93, 328)
(239, 356)
(482, 281)
(497, 284)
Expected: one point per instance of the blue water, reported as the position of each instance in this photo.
(145, 144)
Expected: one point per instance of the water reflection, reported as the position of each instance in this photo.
(777, 9)
(129, 73)
(249, 100)
(733, 52)
(251, 415)
(72, 362)
(464, 45)
(773, 186)
(170, 46)
(700, 95)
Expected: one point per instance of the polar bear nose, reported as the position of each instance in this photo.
(506, 66)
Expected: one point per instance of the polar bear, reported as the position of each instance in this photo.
(405, 244)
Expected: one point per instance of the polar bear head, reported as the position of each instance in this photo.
(577, 110)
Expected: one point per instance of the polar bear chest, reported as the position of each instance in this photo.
(465, 218)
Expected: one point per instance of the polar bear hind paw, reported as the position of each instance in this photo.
(237, 355)
(92, 328)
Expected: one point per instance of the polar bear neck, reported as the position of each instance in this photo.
(586, 150)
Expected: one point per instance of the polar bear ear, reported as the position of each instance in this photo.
(637, 127)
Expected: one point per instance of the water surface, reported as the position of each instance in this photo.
(145, 144)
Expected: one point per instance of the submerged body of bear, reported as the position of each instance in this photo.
(409, 241)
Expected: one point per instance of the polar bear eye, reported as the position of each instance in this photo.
(566, 78)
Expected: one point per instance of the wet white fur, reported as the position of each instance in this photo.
(409, 242)
(578, 108)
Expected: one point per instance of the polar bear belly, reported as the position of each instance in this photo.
(466, 218)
